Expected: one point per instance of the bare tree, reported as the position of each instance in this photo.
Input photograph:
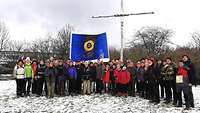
(196, 39)
(4, 36)
(62, 41)
(153, 39)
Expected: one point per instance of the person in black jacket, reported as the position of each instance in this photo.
(153, 82)
(62, 73)
(93, 76)
(80, 67)
(40, 75)
(192, 77)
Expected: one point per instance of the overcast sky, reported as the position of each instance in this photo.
(30, 19)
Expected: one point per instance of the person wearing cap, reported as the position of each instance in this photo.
(28, 75)
(18, 73)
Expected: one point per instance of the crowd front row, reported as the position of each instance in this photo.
(148, 78)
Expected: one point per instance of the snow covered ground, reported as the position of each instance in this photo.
(87, 104)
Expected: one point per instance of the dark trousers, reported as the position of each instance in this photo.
(20, 87)
(113, 88)
(78, 83)
(140, 88)
(99, 86)
(28, 85)
(186, 91)
(162, 88)
(154, 91)
(122, 88)
(131, 91)
(190, 97)
(170, 90)
(56, 86)
(147, 89)
(61, 85)
(34, 86)
(40, 85)
(72, 86)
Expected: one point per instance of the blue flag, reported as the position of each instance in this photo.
(88, 47)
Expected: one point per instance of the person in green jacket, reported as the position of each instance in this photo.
(28, 75)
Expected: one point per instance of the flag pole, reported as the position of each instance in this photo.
(122, 32)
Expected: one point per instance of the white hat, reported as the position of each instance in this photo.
(28, 59)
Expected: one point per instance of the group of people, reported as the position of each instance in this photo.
(148, 78)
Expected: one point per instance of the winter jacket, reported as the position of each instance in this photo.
(151, 74)
(168, 72)
(106, 76)
(40, 72)
(72, 72)
(19, 72)
(116, 75)
(87, 74)
(51, 73)
(191, 72)
(124, 77)
(182, 71)
(140, 74)
(99, 72)
(34, 67)
(132, 71)
(28, 71)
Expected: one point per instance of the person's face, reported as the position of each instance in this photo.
(113, 66)
(181, 64)
(150, 62)
(185, 58)
(51, 64)
(60, 63)
(20, 64)
(28, 61)
(118, 66)
(41, 62)
(142, 64)
(138, 64)
(107, 67)
(71, 64)
(168, 61)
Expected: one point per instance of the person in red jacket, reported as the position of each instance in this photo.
(34, 82)
(182, 84)
(106, 78)
(123, 81)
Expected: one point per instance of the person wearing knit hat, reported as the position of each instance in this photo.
(28, 75)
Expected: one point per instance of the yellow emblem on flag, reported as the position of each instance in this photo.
(89, 45)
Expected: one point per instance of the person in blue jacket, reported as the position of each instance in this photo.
(72, 73)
